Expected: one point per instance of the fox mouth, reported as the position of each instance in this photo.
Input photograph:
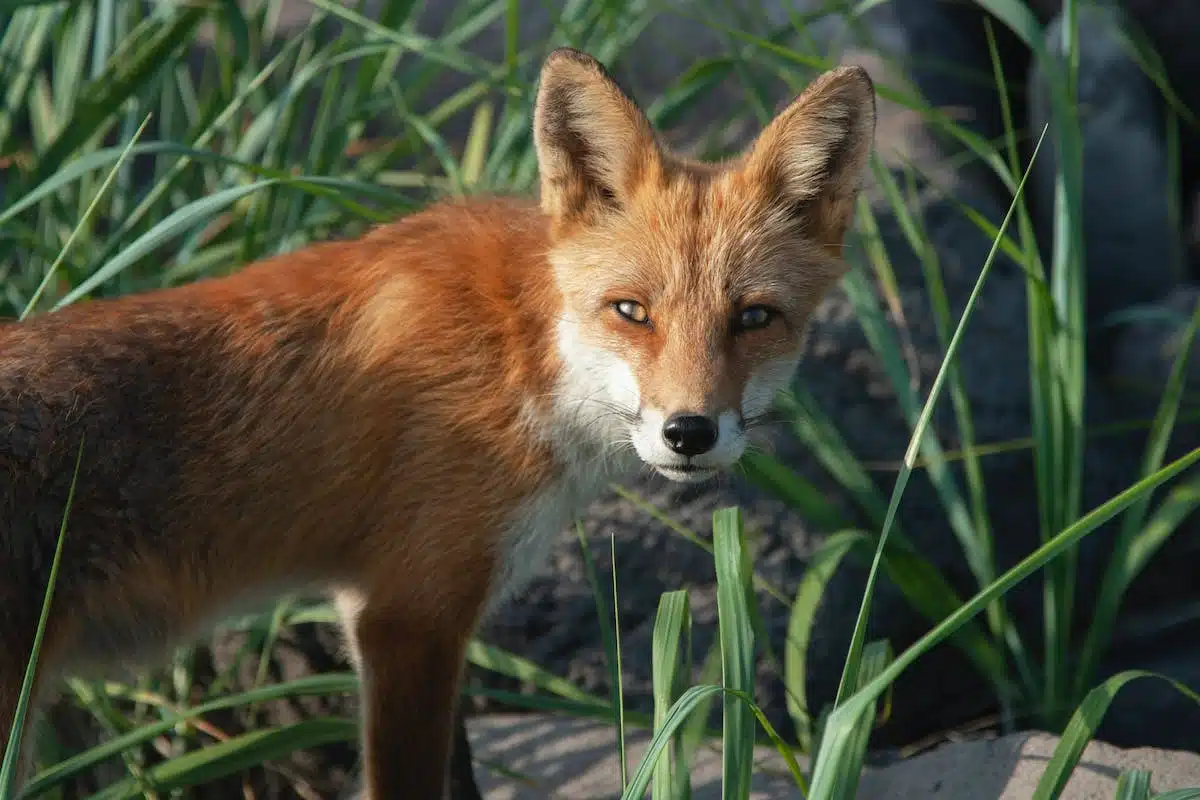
(685, 473)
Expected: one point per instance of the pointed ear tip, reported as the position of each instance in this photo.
(854, 84)
(569, 56)
(855, 78)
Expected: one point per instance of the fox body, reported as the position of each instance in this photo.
(406, 419)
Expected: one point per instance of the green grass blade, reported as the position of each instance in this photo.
(1137, 542)
(884, 344)
(235, 755)
(817, 432)
(918, 238)
(791, 487)
(734, 593)
(696, 730)
(876, 657)
(186, 218)
(475, 151)
(503, 662)
(1067, 357)
(686, 705)
(635, 789)
(1082, 728)
(313, 686)
(837, 731)
(618, 672)
(817, 573)
(852, 659)
(1019, 19)
(1133, 784)
(8, 768)
(103, 97)
(50, 273)
(28, 31)
(923, 587)
(671, 666)
(609, 634)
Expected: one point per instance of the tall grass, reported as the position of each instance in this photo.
(124, 169)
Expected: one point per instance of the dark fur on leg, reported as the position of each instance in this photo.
(462, 770)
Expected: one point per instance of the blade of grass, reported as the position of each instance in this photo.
(876, 657)
(817, 573)
(814, 429)
(8, 768)
(687, 704)
(790, 487)
(852, 660)
(671, 667)
(505, 663)
(1133, 784)
(696, 730)
(1067, 355)
(838, 730)
(923, 587)
(188, 217)
(475, 151)
(312, 686)
(918, 238)
(50, 273)
(618, 672)
(104, 96)
(734, 594)
(1136, 542)
(1082, 727)
(609, 634)
(236, 755)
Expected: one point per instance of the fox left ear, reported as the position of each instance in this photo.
(593, 143)
(812, 156)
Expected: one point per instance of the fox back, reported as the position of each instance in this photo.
(407, 419)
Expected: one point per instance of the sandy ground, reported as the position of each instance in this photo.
(567, 758)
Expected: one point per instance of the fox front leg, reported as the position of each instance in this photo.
(409, 670)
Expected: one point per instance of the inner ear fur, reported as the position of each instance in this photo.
(812, 157)
(593, 143)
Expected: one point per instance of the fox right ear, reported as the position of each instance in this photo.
(594, 145)
(811, 158)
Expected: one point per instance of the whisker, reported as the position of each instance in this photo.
(765, 419)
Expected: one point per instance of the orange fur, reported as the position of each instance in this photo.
(405, 419)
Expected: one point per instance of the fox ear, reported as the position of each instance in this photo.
(593, 143)
(811, 158)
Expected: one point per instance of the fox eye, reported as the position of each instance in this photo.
(632, 311)
(755, 317)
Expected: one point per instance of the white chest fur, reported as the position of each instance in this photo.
(538, 524)
(592, 449)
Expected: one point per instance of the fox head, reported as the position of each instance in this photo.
(687, 286)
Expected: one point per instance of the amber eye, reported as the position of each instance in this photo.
(632, 311)
(755, 317)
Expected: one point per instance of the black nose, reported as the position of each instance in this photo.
(690, 434)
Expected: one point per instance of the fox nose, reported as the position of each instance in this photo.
(690, 434)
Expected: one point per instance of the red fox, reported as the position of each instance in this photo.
(406, 420)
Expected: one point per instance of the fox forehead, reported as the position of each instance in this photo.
(703, 237)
